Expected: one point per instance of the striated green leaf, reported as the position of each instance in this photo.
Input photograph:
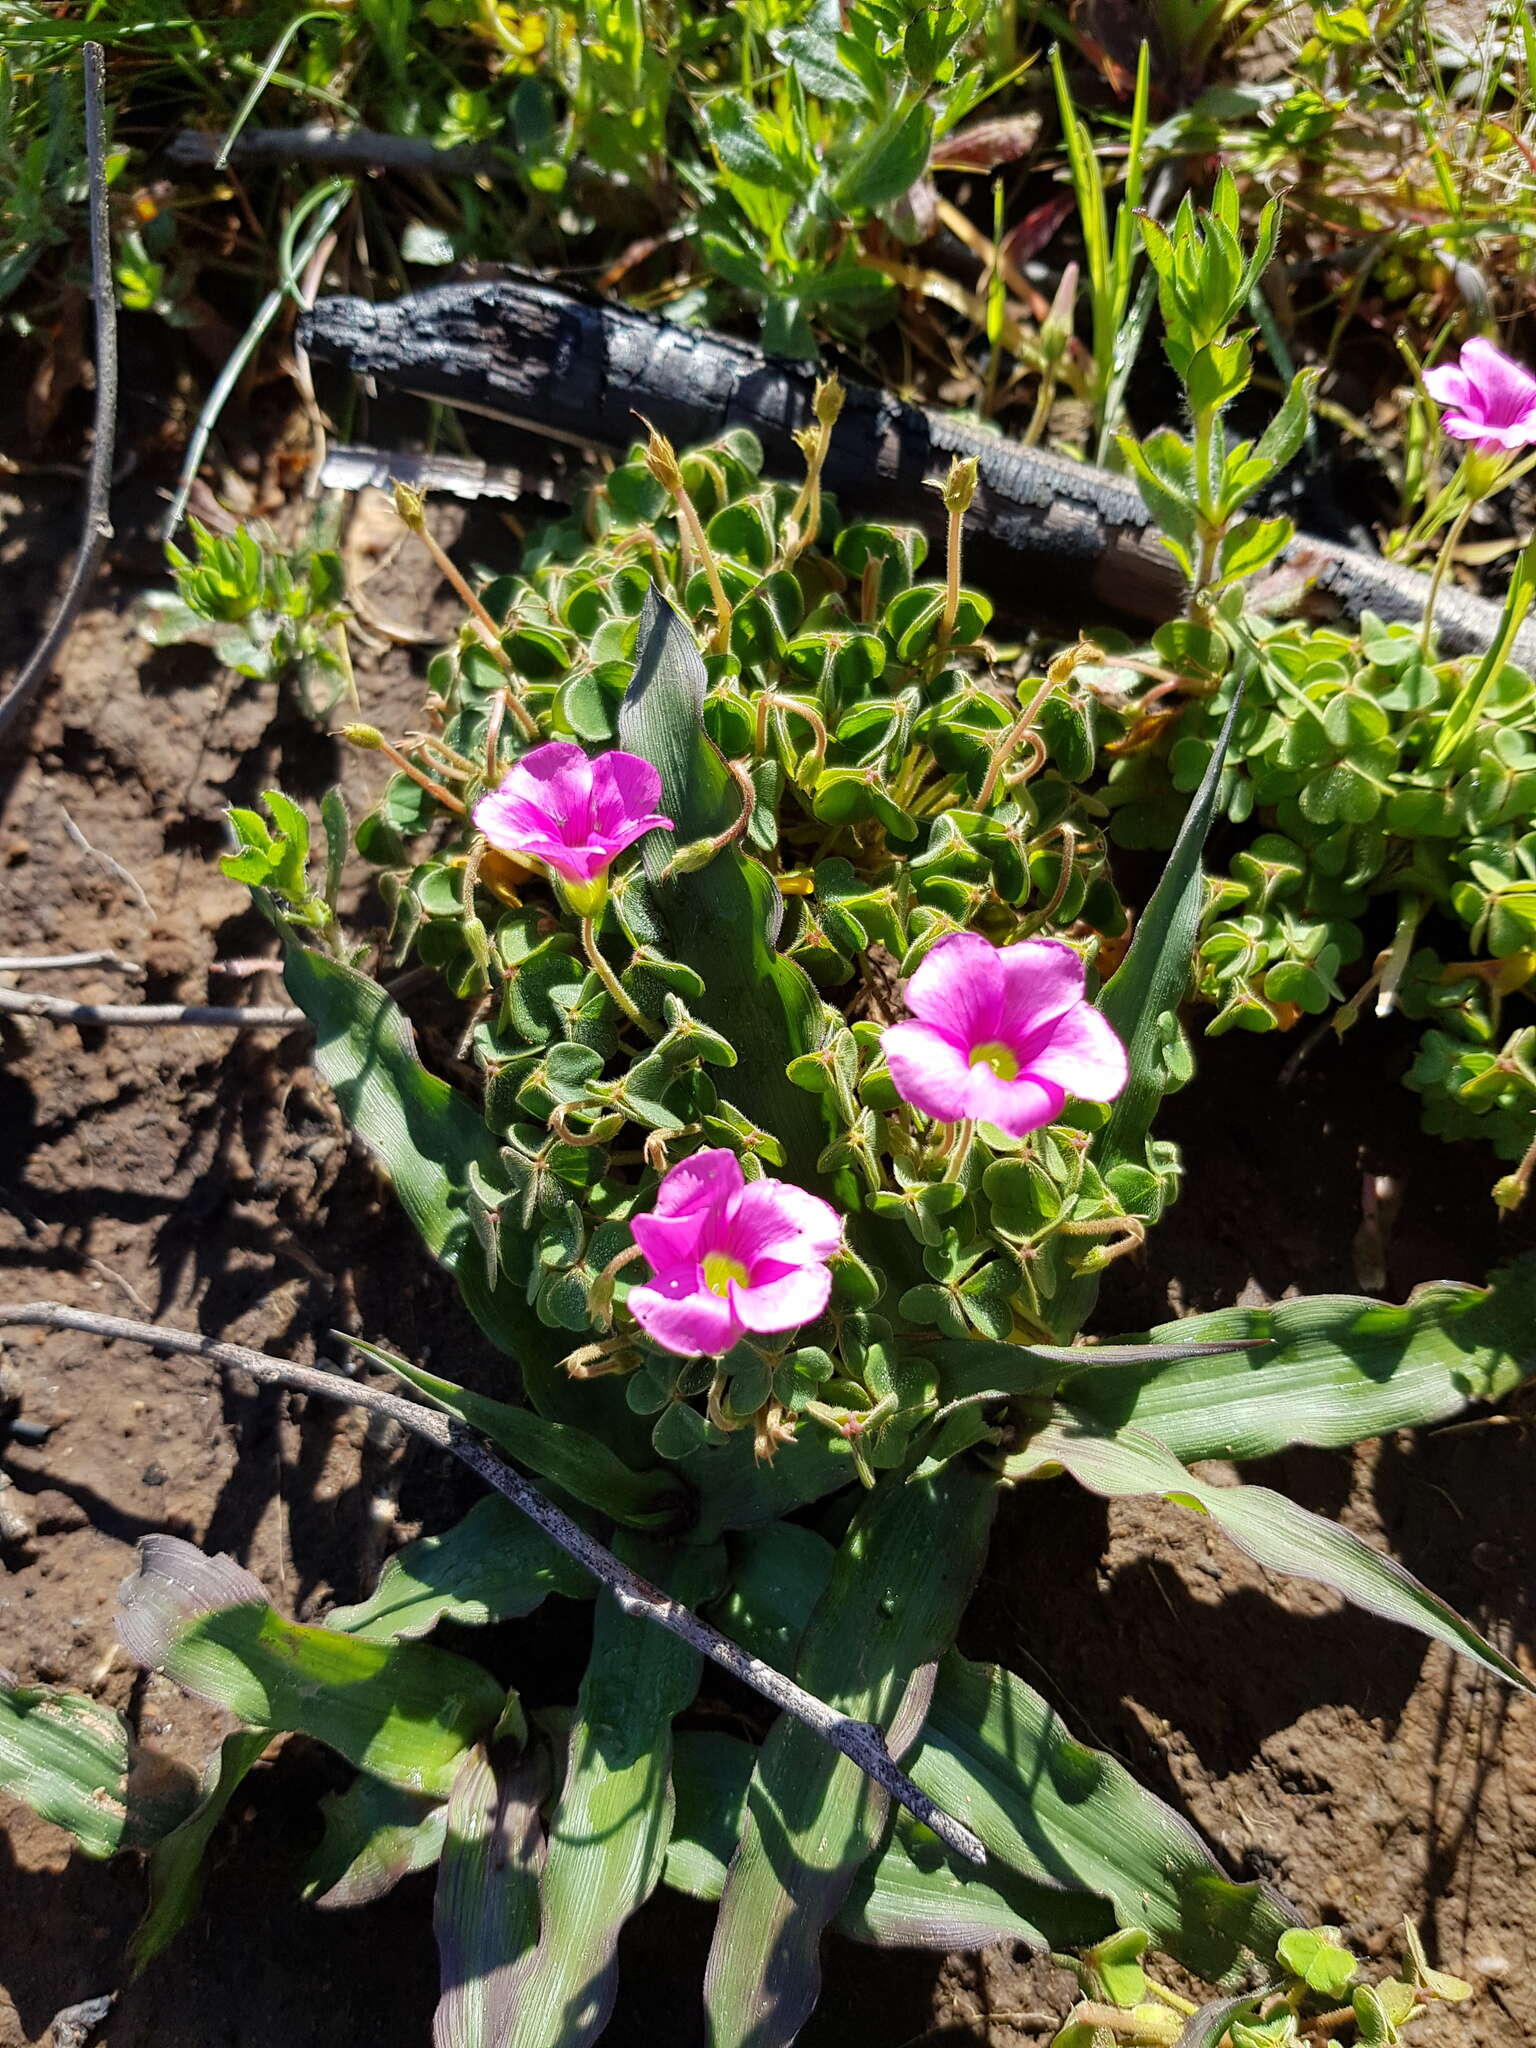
(1273, 1530)
(1060, 1814)
(66, 1756)
(404, 1711)
(710, 1776)
(721, 919)
(609, 1830)
(908, 1894)
(1144, 995)
(486, 1915)
(375, 1834)
(911, 1895)
(176, 1864)
(425, 1136)
(812, 1816)
(569, 1457)
(1210, 2026)
(494, 1565)
(1336, 1369)
(435, 1146)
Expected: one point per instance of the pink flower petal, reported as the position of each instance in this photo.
(624, 787)
(959, 987)
(1042, 978)
(1507, 391)
(678, 1312)
(670, 1241)
(707, 1179)
(1449, 384)
(1461, 428)
(784, 1303)
(1083, 1056)
(774, 1219)
(929, 1070)
(1016, 1107)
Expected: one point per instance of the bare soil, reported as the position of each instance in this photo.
(205, 1180)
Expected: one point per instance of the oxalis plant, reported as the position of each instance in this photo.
(804, 1086)
(1382, 795)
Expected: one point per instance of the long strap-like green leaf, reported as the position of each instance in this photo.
(1276, 1532)
(1336, 1369)
(898, 1589)
(609, 1830)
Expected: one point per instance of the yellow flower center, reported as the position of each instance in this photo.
(720, 1269)
(995, 1054)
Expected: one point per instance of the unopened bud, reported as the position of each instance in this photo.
(827, 403)
(409, 509)
(698, 853)
(1057, 329)
(367, 736)
(1509, 1192)
(661, 460)
(959, 487)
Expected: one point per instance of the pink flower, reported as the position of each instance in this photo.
(730, 1255)
(574, 814)
(1003, 1034)
(1487, 398)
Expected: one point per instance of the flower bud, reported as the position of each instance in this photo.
(367, 736)
(827, 404)
(409, 509)
(959, 487)
(661, 460)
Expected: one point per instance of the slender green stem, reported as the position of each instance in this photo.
(1442, 562)
(611, 981)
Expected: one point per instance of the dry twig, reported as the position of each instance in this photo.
(98, 524)
(57, 1010)
(860, 1741)
(38, 963)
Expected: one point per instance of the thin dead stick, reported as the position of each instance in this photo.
(860, 1741)
(56, 1010)
(341, 149)
(38, 963)
(108, 862)
(98, 524)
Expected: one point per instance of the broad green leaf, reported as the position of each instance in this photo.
(1060, 1814)
(433, 1144)
(894, 158)
(486, 1915)
(710, 1776)
(812, 1815)
(609, 1829)
(1066, 1828)
(494, 1565)
(568, 1457)
(176, 1864)
(375, 1834)
(1273, 1530)
(404, 1711)
(66, 1756)
(424, 1135)
(738, 1490)
(1337, 1369)
(722, 919)
(908, 1894)
(912, 1895)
